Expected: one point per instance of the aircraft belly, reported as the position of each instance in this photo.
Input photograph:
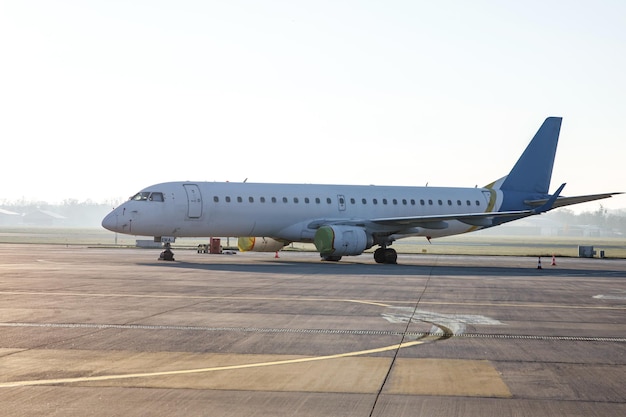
(226, 224)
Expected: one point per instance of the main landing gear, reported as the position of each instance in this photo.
(385, 255)
(382, 255)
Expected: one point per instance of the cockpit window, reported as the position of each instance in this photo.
(156, 197)
(142, 196)
(147, 195)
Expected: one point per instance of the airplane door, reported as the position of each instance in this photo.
(194, 201)
(341, 200)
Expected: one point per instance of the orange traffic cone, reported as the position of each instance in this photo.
(539, 263)
(553, 260)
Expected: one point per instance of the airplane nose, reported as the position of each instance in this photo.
(110, 221)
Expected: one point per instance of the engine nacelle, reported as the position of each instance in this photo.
(342, 240)
(259, 244)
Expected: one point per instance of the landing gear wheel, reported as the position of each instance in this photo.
(330, 258)
(391, 256)
(379, 255)
(385, 256)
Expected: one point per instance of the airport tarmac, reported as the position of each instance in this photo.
(114, 332)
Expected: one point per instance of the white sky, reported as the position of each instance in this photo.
(99, 99)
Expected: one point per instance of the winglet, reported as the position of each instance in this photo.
(548, 205)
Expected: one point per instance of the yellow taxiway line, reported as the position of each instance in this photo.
(201, 370)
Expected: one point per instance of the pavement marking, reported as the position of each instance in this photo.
(381, 303)
(193, 297)
(621, 295)
(454, 324)
(373, 303)
(203, 370)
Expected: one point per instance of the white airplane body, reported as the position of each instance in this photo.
(343, 220)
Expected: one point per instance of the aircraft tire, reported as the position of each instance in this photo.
(391, 256)
(331, 258)
(385, 256)
(379, 256)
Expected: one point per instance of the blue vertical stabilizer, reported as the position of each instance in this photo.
(533, 170)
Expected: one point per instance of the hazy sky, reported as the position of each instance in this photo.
(99, 99)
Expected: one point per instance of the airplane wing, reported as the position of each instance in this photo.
(566, 201)
(427, 222)
(440, 221)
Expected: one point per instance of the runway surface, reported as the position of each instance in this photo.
(114, 332)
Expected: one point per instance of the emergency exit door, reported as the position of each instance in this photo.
(194, 201)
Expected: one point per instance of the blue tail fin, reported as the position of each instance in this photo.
(533, 170)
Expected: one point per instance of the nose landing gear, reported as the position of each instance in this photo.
(167, 254)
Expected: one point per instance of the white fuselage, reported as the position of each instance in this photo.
(290, 212)
(345, 220)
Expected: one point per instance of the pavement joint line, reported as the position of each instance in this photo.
(615, 339)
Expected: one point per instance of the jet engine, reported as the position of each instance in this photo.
(337, 241)
(259, 244)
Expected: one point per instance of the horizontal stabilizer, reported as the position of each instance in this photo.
(566, 201)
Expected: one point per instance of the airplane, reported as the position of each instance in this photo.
(344, 220)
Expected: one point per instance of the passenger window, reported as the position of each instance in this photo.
(328, 200)
(295, 200)
(412, 202)
(239, 199)
(440, 202)
(285, 199)
(216, 199)
(477, 203)
(404, 201)
(364, 201)
(342, 201)
(251, 199)
(227, 199)
(262, 199)
(385, 201)
(317, 200)
(273, 199)
(394, 201)
(449, 202)
(458, 202)
(375, 201)
(469, 203)
(430, 202)
(306, 200)
(352, 201)
(422, 202)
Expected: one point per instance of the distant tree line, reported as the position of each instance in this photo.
(70, 212)
(614, 221)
